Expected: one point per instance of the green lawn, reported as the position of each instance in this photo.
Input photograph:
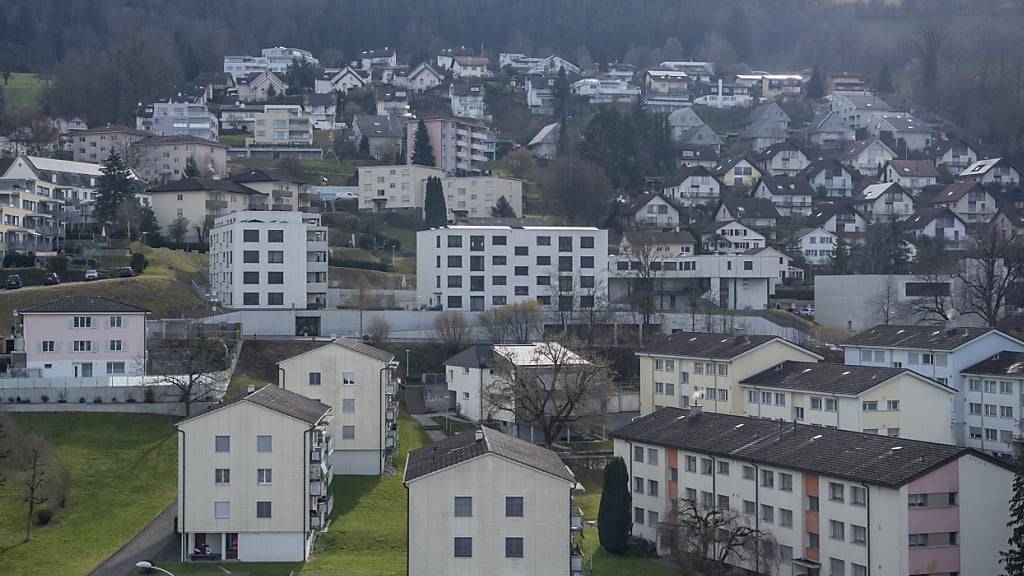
(23, 91)
(337, 173)
(234, 140)
(122, 470)
(452, 426)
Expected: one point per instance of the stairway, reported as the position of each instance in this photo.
(415, 401)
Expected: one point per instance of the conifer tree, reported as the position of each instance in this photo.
(422, 149)
(191, 168)
(503, 209)
(614, 522)
(114, 187)
(435, 212)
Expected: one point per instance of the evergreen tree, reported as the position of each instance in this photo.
(815, 88)
(884, 85)
(1013, 558)
(841, 257)
(114, 187)
(503, 209)
(562, 92)
(3, 108)
(422, 149)
(435, 212)
(191, 168)
(614, 519)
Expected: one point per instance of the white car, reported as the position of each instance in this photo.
(807, 311)
(92, 275)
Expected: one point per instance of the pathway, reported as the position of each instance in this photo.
(432, 428)
(146, 545)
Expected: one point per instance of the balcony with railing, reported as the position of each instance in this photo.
(216, 204)
(575, 518)
(576, 562)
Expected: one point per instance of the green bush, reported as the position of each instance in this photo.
(138, 262)
(43, 516)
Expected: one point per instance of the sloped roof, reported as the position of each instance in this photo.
(862, 100)
(787, 185)
(1005, 363)
(874, 191)
(464, 447)
(196, 184)
(822, 164)
(72, 304)
(956, 191)
(741, 208)
(365, 349)
(826, 378)
(918, 337)
(687, 172)
(641, 237)
(925, 216)
(177, 139)
(289, 403)
(982, 166)
(543, 134)
(856, 148)
(379, 126)
(476, 356)
(914, 168)
(707, 345)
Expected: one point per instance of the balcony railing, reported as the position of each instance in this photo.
(576, 563)
(575, 518)
(216, 204)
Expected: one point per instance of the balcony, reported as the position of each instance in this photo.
(390, 414)
(279, 193)
(576, 562)
(216, 204)
(317, 488)
(575, 518)
(282, 207)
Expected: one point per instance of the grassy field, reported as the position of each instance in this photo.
(122, 470)
(348, 277)
(235, 140)
(23, 91)
(163, 288)
(257, 364)
(337, 173)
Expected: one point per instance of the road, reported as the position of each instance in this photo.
(33, 288)
(146, 545)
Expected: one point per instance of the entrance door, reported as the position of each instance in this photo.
(83, 370)
(231, 541)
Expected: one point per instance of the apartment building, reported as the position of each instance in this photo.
(160, 159)
(281, 125)
(837, 502)
(994, 400)
(178, 119)
(358, 381)
(871, 399)
(461, 146)
(200, 201)
(96, 145)
(74, 183)
(688, 366)
(467, 100)
(482, 502)
(936, 353)
(30, 220)
(404, 187)
(480, 267)
(276, 59)
(84, 337)
(817, 245)
(269, 259)
(254, 478)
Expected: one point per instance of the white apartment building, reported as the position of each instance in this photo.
(606, 90)
(403, 187)
(467, 100)
(994, 390)
(269, 259)
(481, 267)
(275, 60)
(938, 354)
(358, 382)
(837, 502)
(482, 502)
(253, 478)
(179, 119)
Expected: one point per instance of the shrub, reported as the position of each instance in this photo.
(97, 400)
(130, 400)
(43, 516)
(44, 398)
(10, 399)
(17, 399)
(58, 264)
(148, 395)
(138, 262)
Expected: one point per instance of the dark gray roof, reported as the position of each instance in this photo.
(925, 216)
(1005, 363)
(70, 304)
(869, 458)
(198, 184)
(686, 172)
(177, 139)
(705, 345)
(741, 208)
(787, 185)
(373, 126)
(463, 447)
(365, 349)
(476, 356)
(823, 377)
(919, 337)
(289, 403)
(261, 175)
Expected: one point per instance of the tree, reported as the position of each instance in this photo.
(886, 301)
(993, 267)
(3, 108)
(178, 229)
(129, 216)
(815, 88)
(615, 515)
(435, 211)
(191, 168)
(300, 76)
(884, 83)
(929, 46)
(379, 330)
(711, 541)
(1012, 558)
(562, 387)
(193, 366)
(362, 298)
(451, 328)
(647, 266)
(40, 470)
(422, 149)
(114, 187)
(503, 209)
(517, 323)
(841, 257)
(576, 190)
(562, 92)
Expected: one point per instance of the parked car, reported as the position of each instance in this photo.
(51, 279)
(91, 275)
(807, 311)
(126, 272)
(13, 282)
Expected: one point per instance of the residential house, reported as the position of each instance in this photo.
(737, 171)
(461, 146)
(160, 159)
(471, 67)
(701, 136)
(342, 80)
(772, 86)
(656, 244)
(691, 366)
(280, 191)
(791, 195)
(540, 94)
(867, 157)
(940, 223)
(766, 125)
(1009, 220)
(321, 109)
(784, 159)
(693, 155)
(857, 108)
(469, 378)
(482, 502)
(276, 59)
(253, 480)
(912, 175)
(358, 382)
(260, 86)
(699, 71)
(424, 77)
(400, 187)
(721, 95)
(831, 131)
(200, 201)
(886, 202)
(475, 196)
(903, 129)
(693, 187)
(917, 508)
(755, 213)
(831, 177)
(550, 65)
(544, 144)
(682, 121)
(74, 183)
(621, 70)
(940, 354)
(954, 154)
(770, 113)
(383, 135)
(993, 396)
(467, 100)
(666, 90)
(445, 59)
(84, 337)
(970, 200)
(654, 210)
(31, 221)
(238, 117)
(378, 58)
(840, 218)
(393, 103)
(606, 90)
(992, 171)
(282, 125)
(95, 146)
(817, 245)
(732, 238)
(178, 119)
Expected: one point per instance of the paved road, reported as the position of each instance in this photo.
(43, 287)
(433, 431)
(146, 545)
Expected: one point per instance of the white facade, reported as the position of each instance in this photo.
(733, 238)
(887, 202)
(480, 267)
(993, 416)
(269, 259)
(818, 246)
(403, 187)
(275, 60)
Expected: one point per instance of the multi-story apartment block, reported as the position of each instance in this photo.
(403, 187)
(254, 478)
(30, 220)
(461, 146)
(275, 59)
(936, 353)
(480, 267)
(688, 366)
(74, 183)
(836, 502)
(995, 387)
(84, 337)
(269, 259)
(281, 125)
(160, 159)
(200, 201)
(358, 382)
(179, 119)
(467, 100)
(871, 399)
(95, 145)
(482, 502)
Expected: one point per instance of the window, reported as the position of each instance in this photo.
(652, 487)
(785, 482)
(767, 479)
(275, 298)
(222, 443)
(723, 502)
(749, 507)
(837, 567)
(222, 476)
(691, 464)
(652, 456)
(812, 541)
(748, 472)
(264, 476)
(275, 235)
(638, 454)
(1006, 411)
(222, 510)
(565, 243)
(522, 270)
(116, 322)
(251, 257)
(673, 474)
(514, 547)
(860, 534)
(264, 443)
(251, 298)
(522, 250)
(565, 263)
(585, 241)
(859, 570)
(785, 518)
(836, 530)
(918, 540)
(543, 240)
(82, 322)
(348, 405)
(815, 403)
(638, 515)
(47, 346)
(275, 277)
(586, 261)
(836, 492)
(263, 509)
(455, 241)
(454, 261)
(869, 406)
(250, 235)
(858, 495)
(314, 378)
(812, 504)
(638, 485)
(463, 506)
(706, 466)
(767, 514)
(691, 495)
(830, 404)
(348, 378)
(348, 432)
(499, 260)
(463, 547)
(786, 554)
(115, 367)
(514, 506)
(250, 277)
(707, 499)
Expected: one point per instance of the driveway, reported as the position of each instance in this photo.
(146, 545)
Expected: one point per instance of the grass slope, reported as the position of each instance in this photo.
(122, 475)
(337, 173)
(23, 91)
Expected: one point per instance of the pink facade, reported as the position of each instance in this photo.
(943, 479)
(944, 560)
(460, 147)
(117, 338)
(936, 520)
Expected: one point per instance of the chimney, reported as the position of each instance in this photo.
(951, 324)
(250, 389)
(696, 410)
(478, 436)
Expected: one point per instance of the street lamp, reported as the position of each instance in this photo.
(143, 565)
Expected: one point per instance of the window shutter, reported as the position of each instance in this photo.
(95, 323)
(39, 346)
(94, 346)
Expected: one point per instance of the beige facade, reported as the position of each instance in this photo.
(282, 125)
(403, 187)
(199, 205)
(160, 159)
(96, 145)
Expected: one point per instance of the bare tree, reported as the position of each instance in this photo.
(362, 299)
(577, 190)
(379, 330)
(933, 299)
(178, 229)
(929, 46)
(994, 266)
(451, 328)
(647, 270)
(516, 323)
(712, 541)
(193, 366)
(558, 387)
(7, 443)
(129, 215)
(40, 470)
(886, 300)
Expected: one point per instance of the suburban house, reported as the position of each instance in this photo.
(483, 502)
(276, 59)
(954, 154)
(992, 171)
(697, 155)
(321, 109)
(912, 175)
(1009, 220)
(383, 135)
(254, 478)
(95, 145)
(693, 187)
(378, 58)
(831, 176)
(867, 157)
(886, 202)
(358, 382)
(901, 128)
(544, 144)
(784, 159)
(470, 67)
(200, 201)
(791, 195)
(605, 90)
(830, 498)
(755, 213)
(831, 131)
(857, 108)
(658, 244)
(940, 223)
(281, 125)
(393, 103)
(737, 171)
(970, 200)
(424, 77)
(701, 136)
(682, 121)
(259, 86)
(766, 125)
(461, 146)
(817, 245)
(446, 58)
(468, 377)
(688, 366)
(840, 218)
(993, 396)
(653, 209)
(772, 86)
(84, 337)
(342, 80)
(721, 95)
(732, 238)
(467, 100)
(403, 187)
(940, 355)
(666, 82)
(160, 159)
